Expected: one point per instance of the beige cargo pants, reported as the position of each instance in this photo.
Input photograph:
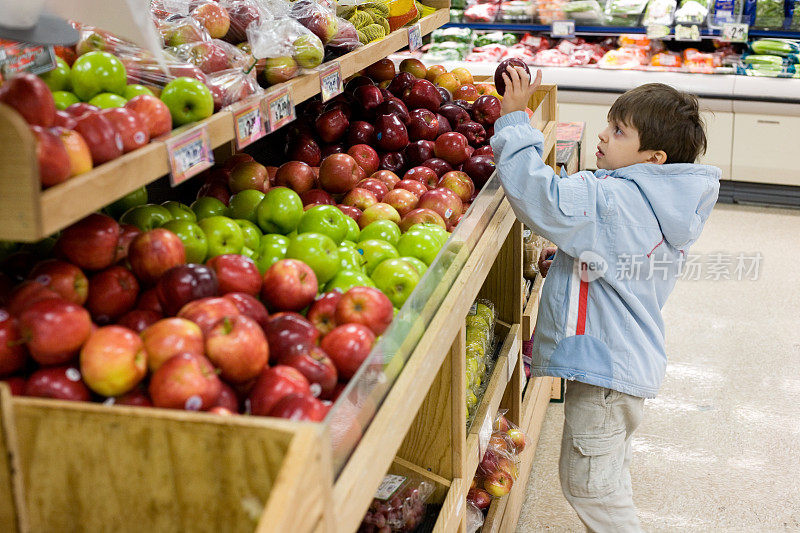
(596, 455)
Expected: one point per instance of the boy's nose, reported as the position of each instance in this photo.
(603, 136)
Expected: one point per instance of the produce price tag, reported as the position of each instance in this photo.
(734, 33)
(330, 81)
(563, 28)
(658, 31)
(687, 33)
(248, 122)
(389, 486)
(414, 37)
(484, 434)
(280, 108)
(17, 57)
(189, 154)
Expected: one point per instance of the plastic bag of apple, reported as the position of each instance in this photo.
(499, 468)
(398, 506)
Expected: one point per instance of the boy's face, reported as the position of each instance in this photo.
(619, 147)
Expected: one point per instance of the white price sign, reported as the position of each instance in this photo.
(189, 153)
(280, 108)
(735, 33)
(248, 122)
(563, 28)
(414, 37)
(330, 81)
(484, 434)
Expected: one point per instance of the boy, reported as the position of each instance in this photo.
(622, 233)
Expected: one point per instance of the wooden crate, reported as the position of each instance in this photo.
(28, 214)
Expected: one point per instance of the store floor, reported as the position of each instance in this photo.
(719, 449)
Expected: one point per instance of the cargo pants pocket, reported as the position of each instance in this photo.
(595, 464)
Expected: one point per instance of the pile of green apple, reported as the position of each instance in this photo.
(480, 332)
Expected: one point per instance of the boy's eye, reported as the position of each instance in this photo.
(618, 131)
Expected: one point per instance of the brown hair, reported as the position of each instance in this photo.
(667, 119)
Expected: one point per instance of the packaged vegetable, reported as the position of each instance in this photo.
(398, 506)
(517, 11)
(460, 35)
(692, 12)
(481, 12)
(624, 12)
(583, 10)
(778, 47)
(659, 12)
(769, 14)
(666, 59)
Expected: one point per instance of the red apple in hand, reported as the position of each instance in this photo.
(59, 383)
(54, 162)
(236, 273)
(170, 337)
(185, 381)
(31, 98)
(64, 278)
(112, 293)
(289, 332)
(366, 306)
(274, 384)
(113, 360)
(316, 366)
(237, 346)
(249, 306)
(154, 252)
(54, 330)
(322, 312)
(300, 407)
(289, 285)
(348, 346)
(91, 243)
(12, 349)
(338, 173)
(206, 312)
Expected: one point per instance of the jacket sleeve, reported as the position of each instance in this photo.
(561, 209)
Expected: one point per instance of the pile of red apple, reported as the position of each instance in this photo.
(126, 321)
(498, 470)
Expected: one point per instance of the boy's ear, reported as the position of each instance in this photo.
(657, 157)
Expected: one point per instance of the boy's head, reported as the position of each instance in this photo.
(653, 123)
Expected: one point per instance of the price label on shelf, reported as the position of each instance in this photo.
(280, 108)
(189, 153)
(19, 57)
(389, 486)
(330, 81)
(484, 434)
(563, 28)
(734, 33)
(658, 31)
(414, 37)
(249, 123)
(687, 33)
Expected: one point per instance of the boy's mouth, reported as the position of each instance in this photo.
(599, 152)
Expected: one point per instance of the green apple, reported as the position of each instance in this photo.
(108, 100)
(280, 211)
(206, 206)
(188, 100)
(344, 280)
(223, 234)
(374, 252)
(97, 72)
(147, 216)
(132, 199)
(317, 251)
(180, 211)
(64, 99)
(325, 219)
(134, 90)
(417, 264)
(396, 279)
(353, 231)
(349, 244)
(193, 238)
(385, 230)
(308, 51)
(271, 249)
(350, 259)
(249, 253)
(420, 243)
(243, 204)
(439, 231)
(58, 78)
(251, 233)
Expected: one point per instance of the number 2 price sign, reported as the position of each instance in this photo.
(248, 122)
(280, 108)
(330, 81)
(734, 33)
(189, 154)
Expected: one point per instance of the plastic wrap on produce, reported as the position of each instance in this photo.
(145, 69)
(232, 85)
(321, 20)
(346, 39)
(550, 10)
(583, 11)
(482, 12)
(242, 14)
(474, 518)
(285, 38)
(692, 12)
(177, 29)
(212, 56)
(398, 506)
(659, 12)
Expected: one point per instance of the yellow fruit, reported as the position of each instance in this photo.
(448, 81)
(374, 32)
(464, 76)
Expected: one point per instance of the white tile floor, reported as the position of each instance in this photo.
(719, 449)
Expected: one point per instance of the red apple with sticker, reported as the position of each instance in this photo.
(237, 346)
(104, 140)
(113, 360)
(273, 384)
(131, 127)
(444, 202)
(54, 330)
(206, 312)
(185, 381)
(112, 293)
(58, 383)
(390, 132)
(13, 354)
(169, 337)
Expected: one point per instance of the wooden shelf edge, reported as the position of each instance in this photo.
(75, 198)
(531, 312)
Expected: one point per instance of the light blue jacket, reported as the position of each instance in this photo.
(622, 236)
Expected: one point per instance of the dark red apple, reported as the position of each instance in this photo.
(289, 285)
(67, 280)
(368, 98)
(12, 348)
(499, 82)
(112, 293)
(342, 104)
(356, 82)
(425, 175)
(418, 152)
(423, 126)
(316, 366)
(375, 186)
(139, 319)
(366, 157)
(484, 150)
(332, 125)
(185, 381)
(393, 161)
(322, 312)
(137, 397)
(154, 252)
(317, 197)
(454, 114)
(274, 384)
(394, 106)
(304, 148)
(444, 125)
(400, 83)
(348, 346)
(361, 132)
(289, 332)
(182, 284)
(59, 383)
(445, 94)
(349, 210)
(30, 97)
(54, 330)
(452, 147)
(149, 300)
(423, 94)
(466, 106)
(479, 498)
(474, 133)
(390, 133)
(486, 110)
(295, 175)
(235, 273)
(440, 166)
(228, 399)
(480, 168)
(335, 148)
(91, 243)
(338, 173)
(249, 306)
(381, 70)
(127, 232)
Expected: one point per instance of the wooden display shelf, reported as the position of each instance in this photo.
(531, 311)
(28, 213)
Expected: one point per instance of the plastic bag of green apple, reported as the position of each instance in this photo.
(398, 506)
(213, 56)
(287, 46)
(231, 86)
(176, 30)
